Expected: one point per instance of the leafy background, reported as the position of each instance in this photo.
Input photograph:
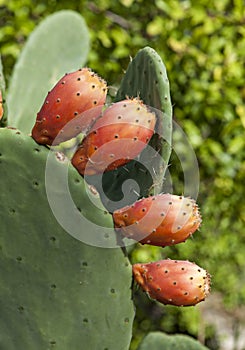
(202, 44)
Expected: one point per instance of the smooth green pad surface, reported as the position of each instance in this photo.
(55, 291)
(161, 341)
(57, 46)
(3, 121)
(146, 78)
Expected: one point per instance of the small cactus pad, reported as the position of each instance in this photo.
(145, 78)
(55, 292)
(162, 341)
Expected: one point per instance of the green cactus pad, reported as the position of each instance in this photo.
(57, 46)
(160, 341)
(3, 121)
(146, 78)
(55, 291)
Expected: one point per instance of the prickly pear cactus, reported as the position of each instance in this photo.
(160, 341)
(55, 291)
(146, 78)
(58, 45)
(59, 288)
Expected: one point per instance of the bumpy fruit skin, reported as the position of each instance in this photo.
(174, 282)
(160, 220)
(121, 133)
(73, 95)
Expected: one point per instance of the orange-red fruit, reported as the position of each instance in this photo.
(74, 94)
(160, 220)
(121, 133)
(175, 282)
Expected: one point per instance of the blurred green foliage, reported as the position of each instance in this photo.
(202, 44)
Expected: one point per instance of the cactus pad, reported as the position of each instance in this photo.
(55, 292)
(160, 341)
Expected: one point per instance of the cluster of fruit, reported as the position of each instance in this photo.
(115, 135)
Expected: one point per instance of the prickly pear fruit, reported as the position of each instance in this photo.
(121, 133)
(74, 94)
(175, 282)
(160, 220)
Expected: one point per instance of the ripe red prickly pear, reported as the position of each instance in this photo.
(175, 282)
(160, 220)
(74, 94)
(118, 136)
